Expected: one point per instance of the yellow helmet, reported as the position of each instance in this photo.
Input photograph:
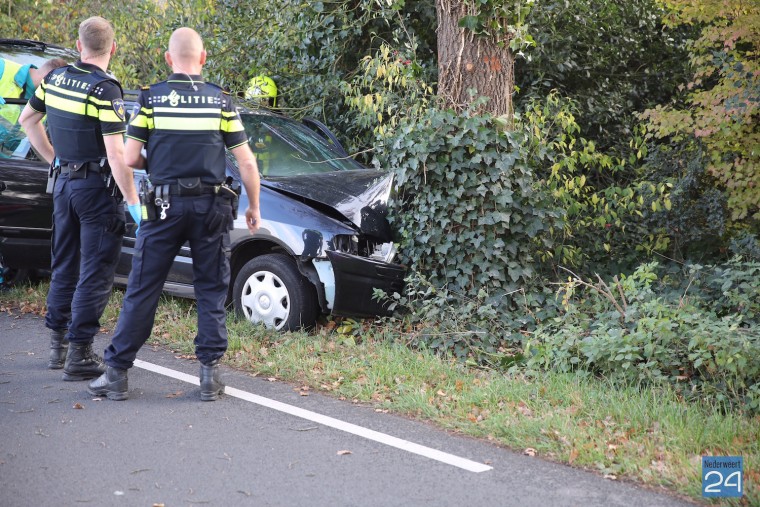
(262, 88)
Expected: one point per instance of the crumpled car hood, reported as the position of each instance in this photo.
(360, 196)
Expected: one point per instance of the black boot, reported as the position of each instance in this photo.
(112, 384)
(82, 363)
(58, 348)
(211, 384)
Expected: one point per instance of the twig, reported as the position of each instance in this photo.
(606, 293)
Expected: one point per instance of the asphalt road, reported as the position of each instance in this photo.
(261, 445)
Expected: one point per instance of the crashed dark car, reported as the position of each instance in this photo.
(323, 247)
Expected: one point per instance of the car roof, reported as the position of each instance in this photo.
(35, 52)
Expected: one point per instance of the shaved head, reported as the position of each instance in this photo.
(185, 45)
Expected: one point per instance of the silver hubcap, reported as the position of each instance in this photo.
(265, 299)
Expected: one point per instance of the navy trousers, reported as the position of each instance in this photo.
(88, 226)
(158, 242)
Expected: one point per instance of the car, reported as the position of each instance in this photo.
(323, 247)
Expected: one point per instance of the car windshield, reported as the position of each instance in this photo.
(286, 148)
(13, 140)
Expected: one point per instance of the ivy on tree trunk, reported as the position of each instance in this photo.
(469, 61)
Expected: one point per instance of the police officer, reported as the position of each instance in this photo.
(184, 123)
(85, 117)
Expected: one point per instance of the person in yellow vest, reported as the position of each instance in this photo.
(262, 91)
(18, 81)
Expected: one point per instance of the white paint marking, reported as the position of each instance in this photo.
(382, 438)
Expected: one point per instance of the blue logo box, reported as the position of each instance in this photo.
(722, 476)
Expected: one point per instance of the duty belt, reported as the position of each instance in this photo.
(78, 166)
(202, 189)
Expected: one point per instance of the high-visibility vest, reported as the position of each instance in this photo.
(13, 78)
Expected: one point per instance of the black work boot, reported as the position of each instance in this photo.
(82, 363)
(58, 348)
(112, 384)
(211, 384)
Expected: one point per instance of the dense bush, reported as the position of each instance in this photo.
(471, 220)
(469, 211)
(640, 328)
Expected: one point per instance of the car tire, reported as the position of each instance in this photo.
(270, 289)
(12, 277)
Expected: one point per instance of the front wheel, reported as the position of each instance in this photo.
(270, 289)
(11, 277)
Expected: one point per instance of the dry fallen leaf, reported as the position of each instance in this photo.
(530, 452)
(78, 406)
(524, 410)
(344, 452)
(573, 456)
(611, 477)
(174, 395)
(272, 379)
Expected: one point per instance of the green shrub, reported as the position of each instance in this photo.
(633, 330)
(469, 213)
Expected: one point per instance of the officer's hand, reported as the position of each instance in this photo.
(253, 219)
(136, 212)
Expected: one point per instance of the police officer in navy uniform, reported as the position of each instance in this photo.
(85, 118)
(184, 123)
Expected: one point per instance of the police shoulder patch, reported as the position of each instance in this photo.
(118, 107)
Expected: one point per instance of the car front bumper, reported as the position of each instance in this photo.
(356, 278)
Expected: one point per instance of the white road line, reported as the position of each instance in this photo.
(382, 438)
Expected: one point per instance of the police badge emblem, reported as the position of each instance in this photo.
(118, 107)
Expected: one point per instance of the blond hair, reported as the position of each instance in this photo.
(96, 36)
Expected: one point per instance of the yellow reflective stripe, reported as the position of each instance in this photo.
(142, 121)
(231, 125)
(83, 70)
(229, 114)
(136, 138)
(40, 91)
(71, 106)
(107, 115)
(64, 91)
(101, 102)
(187, 110)
(95, 102)
(233, 147)
(186, 123)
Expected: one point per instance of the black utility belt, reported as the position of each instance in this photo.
(80, 171)
(79, 168)
(156, 200)
(186, 187)
(202, 189)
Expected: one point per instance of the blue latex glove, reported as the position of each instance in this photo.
(136, 211)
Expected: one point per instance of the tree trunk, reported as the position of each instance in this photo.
(467, 61)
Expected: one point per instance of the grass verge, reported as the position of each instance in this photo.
(633, 433)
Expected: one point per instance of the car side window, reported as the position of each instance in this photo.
(13, 140)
